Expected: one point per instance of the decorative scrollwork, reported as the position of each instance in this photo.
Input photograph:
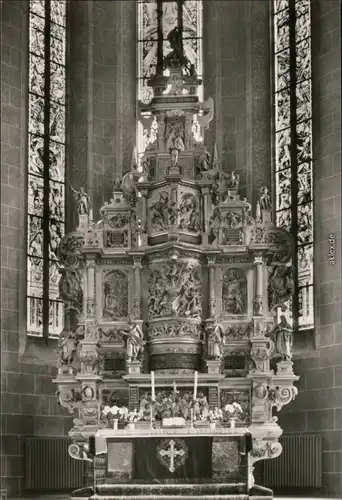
(79, 452)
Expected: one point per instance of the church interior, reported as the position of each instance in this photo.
(171, 249)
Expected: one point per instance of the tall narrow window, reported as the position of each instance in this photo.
(293, 146)
(46, 164)
(147, 46)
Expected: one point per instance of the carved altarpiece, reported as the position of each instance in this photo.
(178, 256)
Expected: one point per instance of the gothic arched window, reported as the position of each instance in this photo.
(46, 165)
(148, 36)
(293, 146)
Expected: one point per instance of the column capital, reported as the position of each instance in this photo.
(211, 259)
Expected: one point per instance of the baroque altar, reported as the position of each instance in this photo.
(179, 284)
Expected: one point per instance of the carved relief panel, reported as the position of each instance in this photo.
(117, 235)
(175, 289)
(189, 212)
(234, 297)
(116, 299)
(158, 211)
(241, 396)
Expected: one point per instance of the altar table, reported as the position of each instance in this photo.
(186, 455)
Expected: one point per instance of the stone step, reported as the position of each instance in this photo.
(173, 489)
(229, 496)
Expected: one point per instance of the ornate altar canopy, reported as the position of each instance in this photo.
(176, 285)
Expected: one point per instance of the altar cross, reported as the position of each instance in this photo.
(172, 453)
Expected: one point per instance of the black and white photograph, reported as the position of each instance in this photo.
(171, 316)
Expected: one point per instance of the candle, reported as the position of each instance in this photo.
(195, 384)
(153, 387)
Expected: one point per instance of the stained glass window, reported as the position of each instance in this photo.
(293, 146)
(147, 47)
(46, 164)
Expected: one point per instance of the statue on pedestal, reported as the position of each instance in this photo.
(67, 347)
(134, 340)
(265, 199)
(283, 337)
(215, 340)
(175, 145)
(82, 200)
(176, 58)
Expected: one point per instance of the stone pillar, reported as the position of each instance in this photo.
(259, 282)
(90, 265)
(258, 98)
(98, 294)
(79, 161)
(125, 26)
(144, 207)
(211, 287)
(206, 215)
(212, 62)
(137, 286)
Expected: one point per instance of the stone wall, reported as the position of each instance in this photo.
(102, 83)
(318, 407)
(237, 75)
(28, 403)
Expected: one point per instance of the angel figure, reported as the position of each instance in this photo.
(134, 340)
(82, 200)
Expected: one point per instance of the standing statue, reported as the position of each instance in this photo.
(282, 335)
(67, 347)
(176, 57)
(280, 286)
(233, 180)
(134, 340)
(265, 199)
(215, 340)
(204, 161)
(82, 200)
(175, 145)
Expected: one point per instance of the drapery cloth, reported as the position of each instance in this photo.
(192, 458)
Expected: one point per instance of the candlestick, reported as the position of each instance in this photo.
(151, 414)
(153, 387)
(195, 384)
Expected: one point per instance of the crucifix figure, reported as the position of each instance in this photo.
(171, 452)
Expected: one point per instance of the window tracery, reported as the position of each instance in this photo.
(46, 165)
(293, 146)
